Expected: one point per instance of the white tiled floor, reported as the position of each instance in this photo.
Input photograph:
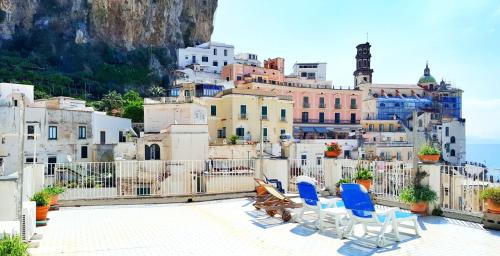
(233, 227)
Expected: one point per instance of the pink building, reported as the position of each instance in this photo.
(272, 72)
(320, 113)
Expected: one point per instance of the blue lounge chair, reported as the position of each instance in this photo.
(362, 211)
(325, 210)
(276, 182)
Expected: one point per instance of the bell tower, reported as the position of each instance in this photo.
(363, 72)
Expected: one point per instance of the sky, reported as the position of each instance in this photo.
(460, 39)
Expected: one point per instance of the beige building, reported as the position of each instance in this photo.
(241, 112)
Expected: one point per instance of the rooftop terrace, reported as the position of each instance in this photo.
(234, 227)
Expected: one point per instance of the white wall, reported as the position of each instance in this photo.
(8, 192)
(184, 56)
(319, 71)
(313, 149)
(8, 91)
(457, 130)
(158, 117)
(111, 125)
(187, 142)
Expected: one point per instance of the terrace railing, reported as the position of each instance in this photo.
(299, 167)
(132, 179)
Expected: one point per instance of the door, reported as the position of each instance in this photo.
(353, 118)
(103, 137)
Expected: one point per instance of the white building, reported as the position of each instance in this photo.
(249, 59)
(451, 137)
(211, 56)
(59, 130)
(314, 150)
(310, 70)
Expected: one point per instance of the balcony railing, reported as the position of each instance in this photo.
(338, 106)
(283, 119)
(325, 121)
(322, 105)
(305, 105)
(354, 106)
(264, 117)
(243, 116)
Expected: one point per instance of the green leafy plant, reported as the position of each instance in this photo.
(233, 139)
(334, 147)
(54, 190)
(429, 150)
(437, 212)
(363, 174)
(13, 246)
(417, 194)
(41, 198)
(491, 193)
(342, 181)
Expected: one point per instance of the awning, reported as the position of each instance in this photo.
(307, 129)
(320, 129)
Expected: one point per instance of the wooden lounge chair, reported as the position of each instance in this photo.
(275, 203)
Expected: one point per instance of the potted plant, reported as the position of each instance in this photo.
(364, 177)
(233, 139)
(42, 200)
(54, 192)
(333, 150)
(429, 154)
(340, 182)
(13, 246)
(492, 199)
(418, 197)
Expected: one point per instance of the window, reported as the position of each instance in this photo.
(264, 133)
(30, 159)
(303, 159)
(240, 131)
(31, 132)
(52, 160)
(282, 131)
(371, 127)
(447, 131)
(381, 127)
(204, 59)
(15, 103)
(82, 132)
(305, 117)
(321, 117)
(452, 152)
(152, 152)
(318, 160)
(452, 140)
(263, 112)
(303, 74)
(306, 102)
(193, 59)
(121, 137)
(225, 52)
(84, 152)
(283, 115)
(213, 110)
(322, 102)
(337, 103)
(243, 111)
(337, 118)
(420, 123)
(225, 63)
(353, 104)
(221, 133)
(353, 118)
(215, 51)
(215, 64)
(143, 190)
(102, 137)
(391, 127)
(238, 78)
(52, 132)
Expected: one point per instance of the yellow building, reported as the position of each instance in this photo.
(242, 112)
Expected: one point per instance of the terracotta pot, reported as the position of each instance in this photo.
(41, 212)
(493, 206)
(429, 159)
(54, 199)
(365, 183)
(332, 154)
(419, 208)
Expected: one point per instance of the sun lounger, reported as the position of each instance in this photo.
(276, 203)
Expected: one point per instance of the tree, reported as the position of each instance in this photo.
(134, 112)
(132, 97)
(112, 103)
(156, 91)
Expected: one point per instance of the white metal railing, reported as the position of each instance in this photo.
(128, 179)
(389, 178)
(461, 187)
(310, 168)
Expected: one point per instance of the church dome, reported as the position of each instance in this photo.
(427, 80)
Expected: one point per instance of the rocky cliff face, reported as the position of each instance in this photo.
(125, 24)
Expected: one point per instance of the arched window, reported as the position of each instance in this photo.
(452, 139)
(452, 152)
(152, 152)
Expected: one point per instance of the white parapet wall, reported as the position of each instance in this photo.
(276, 169)
(8, 198)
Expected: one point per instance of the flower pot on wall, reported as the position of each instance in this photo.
(41, 212)
(419, 208)
(429, 159)
(492, 206)
(365, 183)
(332, 154)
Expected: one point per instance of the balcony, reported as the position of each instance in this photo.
(322, 105)
(354, 106)
(338, 106)
(243, 116)
(283, 119)
(305, 105)
(325, 121)
(264, 117)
